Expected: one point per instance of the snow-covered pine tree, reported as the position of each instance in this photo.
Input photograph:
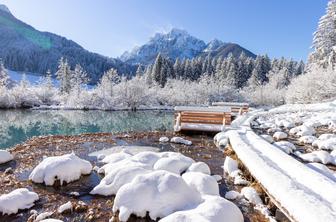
(79, 78)
(109, 80)
(3, 75)
(64, 75)
(157, 67)
(324, 41)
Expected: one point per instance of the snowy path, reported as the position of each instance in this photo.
(302, 193)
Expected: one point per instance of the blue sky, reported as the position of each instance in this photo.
(109, 27)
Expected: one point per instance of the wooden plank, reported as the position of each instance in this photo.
(203, 109)
(230, 104)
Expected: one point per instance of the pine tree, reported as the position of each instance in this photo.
(157, 67)
(324, 41)
(79, 78)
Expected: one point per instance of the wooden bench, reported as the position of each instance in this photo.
(207, 119)
(236, 108)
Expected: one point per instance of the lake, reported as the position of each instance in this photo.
(16, 126)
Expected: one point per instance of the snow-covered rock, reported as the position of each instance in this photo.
(160, 193)
(268, 138)
(199, 167)
(329, 144)
(280, 135)
(217, 177)
(319, 156)
(51, 220)
(307, 139)
(251, 195)
(232, 195)
(180, 140)
(164, 139)
(230, 165)
(285, 146)
(16, 200)
(116, 157)
(5, 156)
(65, 207)
(205, 184)
(115, 179)
(221, 140)
(66, 168)
(213, 209)
(43, 216)
(177, 163)
(240, 181)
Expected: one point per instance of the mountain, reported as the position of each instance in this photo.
(176, 43)
(23, 48)
(180, 44)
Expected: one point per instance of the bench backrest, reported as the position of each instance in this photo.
(194, 117)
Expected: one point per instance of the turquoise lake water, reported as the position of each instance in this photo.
(16, 126)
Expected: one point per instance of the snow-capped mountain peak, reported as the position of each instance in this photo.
(213, 45)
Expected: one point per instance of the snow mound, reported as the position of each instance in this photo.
(65, 207)
(5, 156)
(199, 167)
(213, 209)
(116, 157)
(280, 135)
(230, 165)
(66, 168)
(232, 195)
(204, 184)
(115, 179)
(251, 195)
(164, 139)
(285, 146)
(51, 220)
(160, 193)
(176, 163)
(180, 140)
(221, 140)
(319, 156)
(329, 144)
(268, 138)
(16, 200)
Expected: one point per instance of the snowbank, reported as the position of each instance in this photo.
(213, 209)
(66, 168)
(160, 193)
(16, 200)
(5, 156)
(175, 164)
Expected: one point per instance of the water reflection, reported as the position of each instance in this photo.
(16, 126)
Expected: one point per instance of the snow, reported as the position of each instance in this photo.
(66, 168)
(305, 194)
(213, 209)
(65, 207)
(126, 149)
(5, 156)
(176, 164)
(238, 180)
(116, 178)
(164, 139)
(221, 140)
(199, 167)
(232, 195)
(204, 184)
(268, 138)
(280, 135)
(307, 139)
(230, 165)
(43, 216)
(323, 170)
(51, 220)
(160, 193)
(116, 157)
(319, 156)
(217, 177)
(285, 146)
(16, 200)
(180, 140)
(251, 195)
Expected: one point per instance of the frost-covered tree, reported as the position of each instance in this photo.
(79, 78)
(64, 75)
(324, 41)
(108, 81)
(3, 75)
